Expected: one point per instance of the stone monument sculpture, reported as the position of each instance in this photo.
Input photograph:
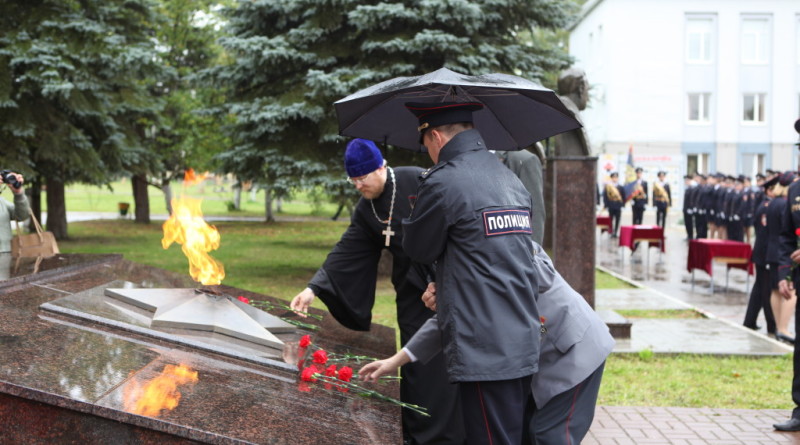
(570, 193)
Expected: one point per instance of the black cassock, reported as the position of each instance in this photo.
(346, 284)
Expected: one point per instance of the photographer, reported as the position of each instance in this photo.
(17, 211)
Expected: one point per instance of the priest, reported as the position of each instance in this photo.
(346, 284)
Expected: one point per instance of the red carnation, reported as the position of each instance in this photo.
(797, 231)
(320, 357)
(346, 373)
(244, 300)
(331, 371)
(308, 375)
(305, 341)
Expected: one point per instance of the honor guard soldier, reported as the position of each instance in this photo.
(662, 198)
(639, 197)
(613, 200)
(689, 192)
(471, 219)
(698, 205)
(737, 210)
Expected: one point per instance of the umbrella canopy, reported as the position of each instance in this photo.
(516, 114)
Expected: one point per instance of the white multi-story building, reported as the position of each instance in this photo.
(691, 85)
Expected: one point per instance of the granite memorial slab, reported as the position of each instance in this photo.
(75, 365)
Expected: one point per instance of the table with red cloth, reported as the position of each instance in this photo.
(604, 222)
(630, 235)
(703, 252)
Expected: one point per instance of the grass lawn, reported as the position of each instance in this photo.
(278, 259)
(89, 198)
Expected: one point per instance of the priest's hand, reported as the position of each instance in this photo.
(371, 372)
(302, 301)
(429, 296)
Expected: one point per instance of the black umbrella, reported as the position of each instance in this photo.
(517, 112)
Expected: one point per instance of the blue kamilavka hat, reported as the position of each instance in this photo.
(362, 157)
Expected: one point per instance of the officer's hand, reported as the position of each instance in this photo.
(371, 372)
(786, 288)
(302, 301)
(795, 256)
(429, 296)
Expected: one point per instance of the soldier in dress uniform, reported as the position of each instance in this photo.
(737, 210)
(761, 291)
(698, 205)
(613, 200)
(662, 198)
(690, 188)
(720, 196)
(639, 197)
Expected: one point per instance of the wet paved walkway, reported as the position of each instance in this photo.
(664, 283)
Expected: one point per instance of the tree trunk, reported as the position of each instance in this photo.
(279, 205)
(34, 193)
(56, 209)
(268, 204)
(237, 196)
(167, 190)
(141, 202)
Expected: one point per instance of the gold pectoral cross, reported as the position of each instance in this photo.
(389, 233)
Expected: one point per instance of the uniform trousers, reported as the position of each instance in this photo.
(688, 221)
(701, 224)
(760, 298)
(428, 385)
(735, 231)
(638, 215)
(566, 418)
(661, 216)
(615, 215)
(796, 361)
(497, 412)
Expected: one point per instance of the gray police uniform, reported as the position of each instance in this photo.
(574, 348)
(472, 218)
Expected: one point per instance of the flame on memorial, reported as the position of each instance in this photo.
(159, 393)
(186, 227)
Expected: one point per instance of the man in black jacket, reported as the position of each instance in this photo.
(472, 219)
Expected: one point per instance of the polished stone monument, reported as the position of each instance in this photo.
(76, 364)
(570, 194)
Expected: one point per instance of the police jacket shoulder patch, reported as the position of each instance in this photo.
(506, 221)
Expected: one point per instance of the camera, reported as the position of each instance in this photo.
(10, 179)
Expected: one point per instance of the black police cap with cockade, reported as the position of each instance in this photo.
(434, 114)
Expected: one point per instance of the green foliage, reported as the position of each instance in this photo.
(74, 86)
(293, 59)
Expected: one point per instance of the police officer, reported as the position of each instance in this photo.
(761, 291)
(790, 255)
(571, 361)
(472, 219)
(639, 197)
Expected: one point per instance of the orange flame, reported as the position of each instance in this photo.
(160, 393)
(191, 178)
(187, 228)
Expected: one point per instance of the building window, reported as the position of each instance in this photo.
(755, 40)
(752, 163)
(697, 163)
(753, 108)
(699, 107)
(698, 40)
